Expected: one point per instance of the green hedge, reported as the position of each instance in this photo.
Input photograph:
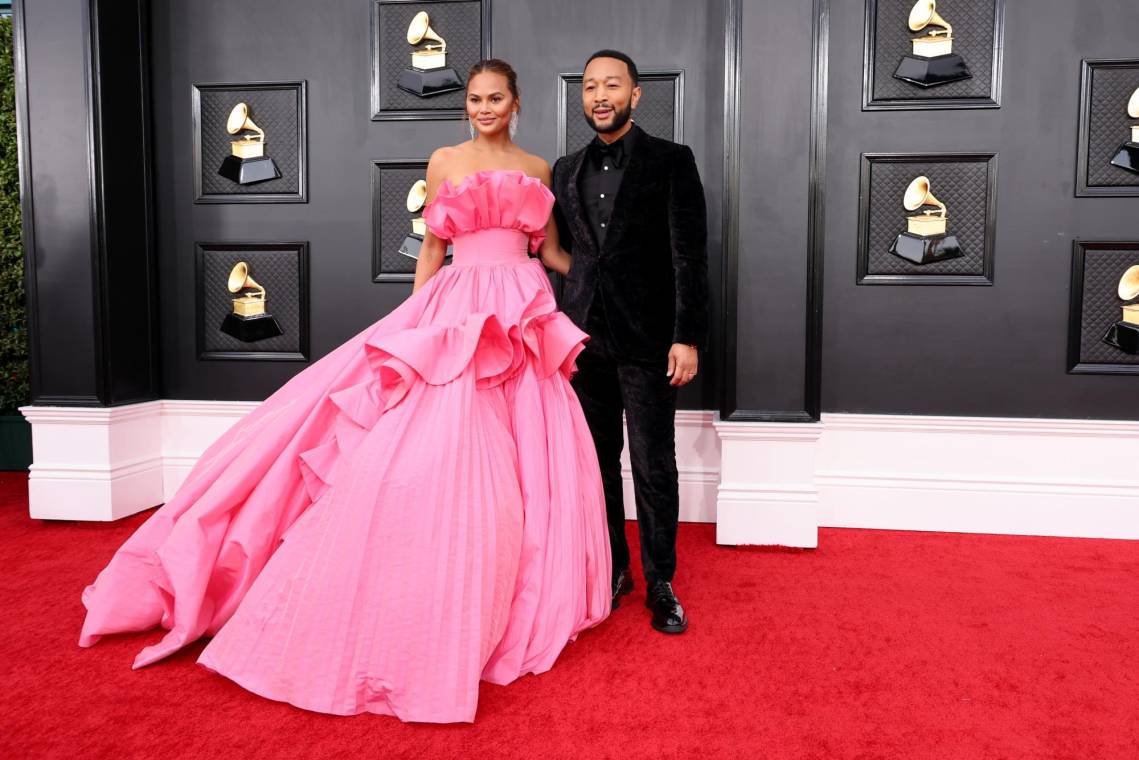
(13, 329)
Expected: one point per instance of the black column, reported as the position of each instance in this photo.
(83, 114)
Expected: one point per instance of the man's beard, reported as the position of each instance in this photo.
(620, 119)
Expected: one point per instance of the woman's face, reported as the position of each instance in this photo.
(489, 102)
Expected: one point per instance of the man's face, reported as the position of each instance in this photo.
(608, 96)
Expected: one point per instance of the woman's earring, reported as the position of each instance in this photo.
(513, 124)
(471, 125)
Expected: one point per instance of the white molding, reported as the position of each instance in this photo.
(767, 495)
(761, 483)
(980, 475)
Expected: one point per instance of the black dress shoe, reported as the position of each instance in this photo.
(622, 584)
(668, 615)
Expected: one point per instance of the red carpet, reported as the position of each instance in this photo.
(877, 645)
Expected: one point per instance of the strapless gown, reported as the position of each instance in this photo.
(416, 511)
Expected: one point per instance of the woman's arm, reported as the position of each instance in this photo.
(551, 253)
(433, 250)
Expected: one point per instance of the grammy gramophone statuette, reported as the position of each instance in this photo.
(1124, 334)
(429, 73)
(248, 322)
(933, 61)
(1127, 157)
(925, 239)
(247, 162)
(416, 200)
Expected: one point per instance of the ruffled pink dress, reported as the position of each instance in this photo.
(418, 510)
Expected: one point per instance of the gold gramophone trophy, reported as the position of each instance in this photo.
(1128, 155)
(247, 162)
(1124, 334)
(925, 239)
(416, 200)
(248, 321)
(933, 61)
(429, 74)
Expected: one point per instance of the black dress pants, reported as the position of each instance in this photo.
(608, 385)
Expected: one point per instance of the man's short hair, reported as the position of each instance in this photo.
(620, 57)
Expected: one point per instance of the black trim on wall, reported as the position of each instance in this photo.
(1087, 67)
(815, 234)
(863, 275)
(1076, 309)
(301, 195)
(378, 113)
(27, 202)
(645, 75)
(869, 103)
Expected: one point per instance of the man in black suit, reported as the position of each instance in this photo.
(631, 211)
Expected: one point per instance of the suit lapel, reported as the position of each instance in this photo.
(582, 232)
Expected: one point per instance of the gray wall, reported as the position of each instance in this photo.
(996, 350)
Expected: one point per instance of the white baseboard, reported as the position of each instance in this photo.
(980, 475)
(761, 483)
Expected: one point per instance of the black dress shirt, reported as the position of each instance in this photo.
(600, 180)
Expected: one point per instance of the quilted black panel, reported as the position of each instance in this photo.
(391, 221)
(1109, 125)
(973, 23)
(1101, 306)
(278, 271)
(961, 185)
(459, 23)
(275, 110)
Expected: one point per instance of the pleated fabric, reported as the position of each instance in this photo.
(418, 510)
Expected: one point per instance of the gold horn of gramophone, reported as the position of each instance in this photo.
(240, 280)
(1133, 112)
(1129, 291)
(935, 42)
(429, 56)
(928, 222)
(239, 121)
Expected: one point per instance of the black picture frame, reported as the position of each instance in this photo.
(567, 81)
(934, 102)
(298, 248)
(865, 277)
(379, 76)
(379, 167)
(1076, 363)
(1088, 67)
(300, 195)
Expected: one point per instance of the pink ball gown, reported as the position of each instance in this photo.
(418, 510)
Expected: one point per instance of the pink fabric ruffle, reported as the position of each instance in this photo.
(488, 199)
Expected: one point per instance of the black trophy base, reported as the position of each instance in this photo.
(926, 249)
(1127, 157)
(930, 72)
(251, 329)
(247, 171)
(1124, 336)
(411, 245)
(428, 83)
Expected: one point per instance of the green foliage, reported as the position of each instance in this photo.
(13, 328)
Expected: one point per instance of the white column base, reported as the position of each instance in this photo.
(767, 494)
(94, 463)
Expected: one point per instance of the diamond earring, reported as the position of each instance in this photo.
(471, 126)
(513, 124)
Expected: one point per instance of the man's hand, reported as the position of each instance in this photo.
(682, 361)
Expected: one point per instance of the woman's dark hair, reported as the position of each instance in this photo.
(496, 66)
(620, 57)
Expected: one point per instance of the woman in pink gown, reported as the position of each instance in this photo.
(418, 510)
